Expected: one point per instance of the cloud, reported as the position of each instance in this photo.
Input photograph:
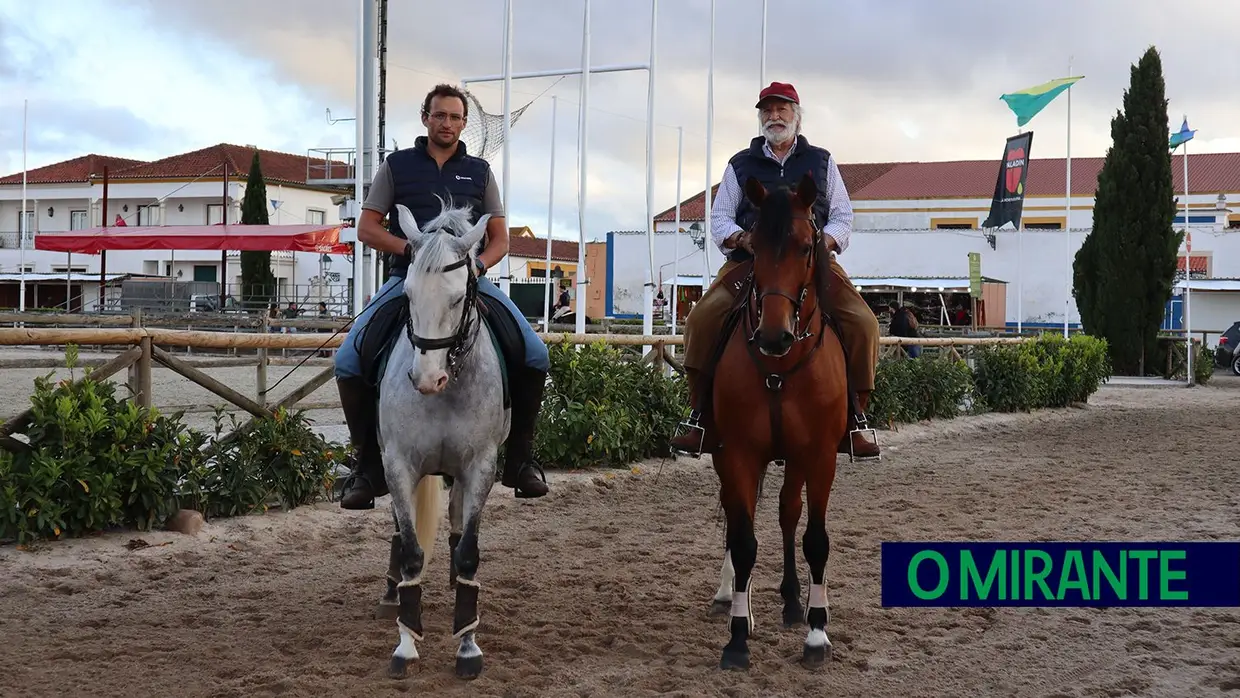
(897, 80)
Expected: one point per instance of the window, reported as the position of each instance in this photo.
(148, 215)
(25, 224)
(953, 223)
(1043, 226)
(62, 269)
(315, 216)
(77, 220)
(953, 226)
(215, 214)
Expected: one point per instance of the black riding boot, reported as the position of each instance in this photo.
(520, 471)
(366, 481)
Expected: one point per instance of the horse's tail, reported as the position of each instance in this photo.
(427, 512)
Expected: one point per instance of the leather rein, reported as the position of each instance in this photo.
(775, 380)
(460, 342)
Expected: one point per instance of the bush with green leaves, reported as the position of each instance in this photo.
(603, 410)
(1049, 371)
(98, 461)
(910, 390)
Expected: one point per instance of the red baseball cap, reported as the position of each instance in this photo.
(779, 90)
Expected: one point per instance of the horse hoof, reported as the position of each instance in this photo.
(793, 616)
(387, 610)
(398, 668)
(814, 657)
(469, 667)
(734, 660)
(720, 608)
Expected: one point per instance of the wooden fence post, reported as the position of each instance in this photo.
(260, 387)
(145, 385)
(134, 381)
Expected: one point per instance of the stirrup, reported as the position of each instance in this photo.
(689, 426)
(863, 427)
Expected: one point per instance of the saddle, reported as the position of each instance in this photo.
(388, 321)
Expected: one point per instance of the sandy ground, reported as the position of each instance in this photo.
(603, 587)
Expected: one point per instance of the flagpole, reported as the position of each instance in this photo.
(21, 229)
(1188, 274)
(1067, 219)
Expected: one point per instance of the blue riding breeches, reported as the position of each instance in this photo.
(348, 362)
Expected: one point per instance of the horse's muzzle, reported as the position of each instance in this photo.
(775, 343)
(431, 383)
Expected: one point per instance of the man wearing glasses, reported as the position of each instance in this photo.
(437, 166)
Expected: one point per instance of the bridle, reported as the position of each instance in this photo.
(774, 380)
(757, 295)
(459, 343)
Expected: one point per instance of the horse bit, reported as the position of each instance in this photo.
(455, 343)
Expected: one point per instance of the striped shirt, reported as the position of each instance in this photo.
(723, 208)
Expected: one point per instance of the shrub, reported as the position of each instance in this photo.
(909, 390)
(603, 410)
(97, 461)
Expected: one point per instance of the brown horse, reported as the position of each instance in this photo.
(780, 394)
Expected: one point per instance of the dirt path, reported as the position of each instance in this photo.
(613, 598)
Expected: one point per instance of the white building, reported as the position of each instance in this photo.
(922, 219)
(185, 189)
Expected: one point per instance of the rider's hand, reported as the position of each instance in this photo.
(741, 240)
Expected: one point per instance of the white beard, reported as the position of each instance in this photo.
(774, 136)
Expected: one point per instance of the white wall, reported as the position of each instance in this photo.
(1213, 312)
(186, 204)
(1047, 258)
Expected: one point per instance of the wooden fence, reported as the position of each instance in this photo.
(148, 346)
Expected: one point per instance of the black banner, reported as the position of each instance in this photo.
(1009, 199)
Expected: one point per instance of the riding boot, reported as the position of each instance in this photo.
(365, 481)
(697, 433)
(521, 473)
(854, 441)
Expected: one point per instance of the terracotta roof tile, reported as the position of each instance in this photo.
(75, 171)
(536, 248)
(1209, 173)
(278, 168)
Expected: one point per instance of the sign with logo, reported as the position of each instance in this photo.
(975, 274)
(1009, 200)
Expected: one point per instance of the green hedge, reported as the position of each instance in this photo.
(98, 461)
(601, 410)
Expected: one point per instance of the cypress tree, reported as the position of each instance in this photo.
(258, 284)
(1124, 271)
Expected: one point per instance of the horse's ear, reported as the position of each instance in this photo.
(409, 227)
(468, 240)
(755, 192)
(807, 190)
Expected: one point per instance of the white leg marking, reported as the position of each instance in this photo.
(406, 650)
(726, 576)
(817, 638)
(468, 648)
(740, 604)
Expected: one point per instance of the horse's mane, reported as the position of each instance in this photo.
(775, 218)
(436, 253)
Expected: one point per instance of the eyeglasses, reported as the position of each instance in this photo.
(441, 116)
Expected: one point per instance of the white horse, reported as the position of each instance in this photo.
(441, 412)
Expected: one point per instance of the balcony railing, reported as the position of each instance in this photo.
(332, 166)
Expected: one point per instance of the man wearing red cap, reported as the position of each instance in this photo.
(780, 155)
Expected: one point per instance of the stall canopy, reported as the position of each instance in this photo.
(296, 238)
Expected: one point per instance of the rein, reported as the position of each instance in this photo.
(462, 341)
(775, 380)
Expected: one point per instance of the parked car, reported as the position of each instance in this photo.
(1226, 354)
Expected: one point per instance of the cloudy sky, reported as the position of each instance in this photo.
(880, 79)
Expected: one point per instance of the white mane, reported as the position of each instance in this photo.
(437, 252)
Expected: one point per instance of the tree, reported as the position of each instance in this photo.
(258, 284)
(1125, 269)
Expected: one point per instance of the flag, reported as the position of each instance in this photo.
(1184, 135)
(1009, 199)
(1028, 102)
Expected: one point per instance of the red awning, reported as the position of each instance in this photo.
(297, 238)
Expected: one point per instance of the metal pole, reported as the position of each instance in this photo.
(710, 135)
(1188, 276)
(1067, 220)
(21, 229)
(762, 61)
(559, 72)
(648, 300)
(370, 48)
(680, 157)
(505, 275)
(583, 149)
(550, 288)
(360, 124)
